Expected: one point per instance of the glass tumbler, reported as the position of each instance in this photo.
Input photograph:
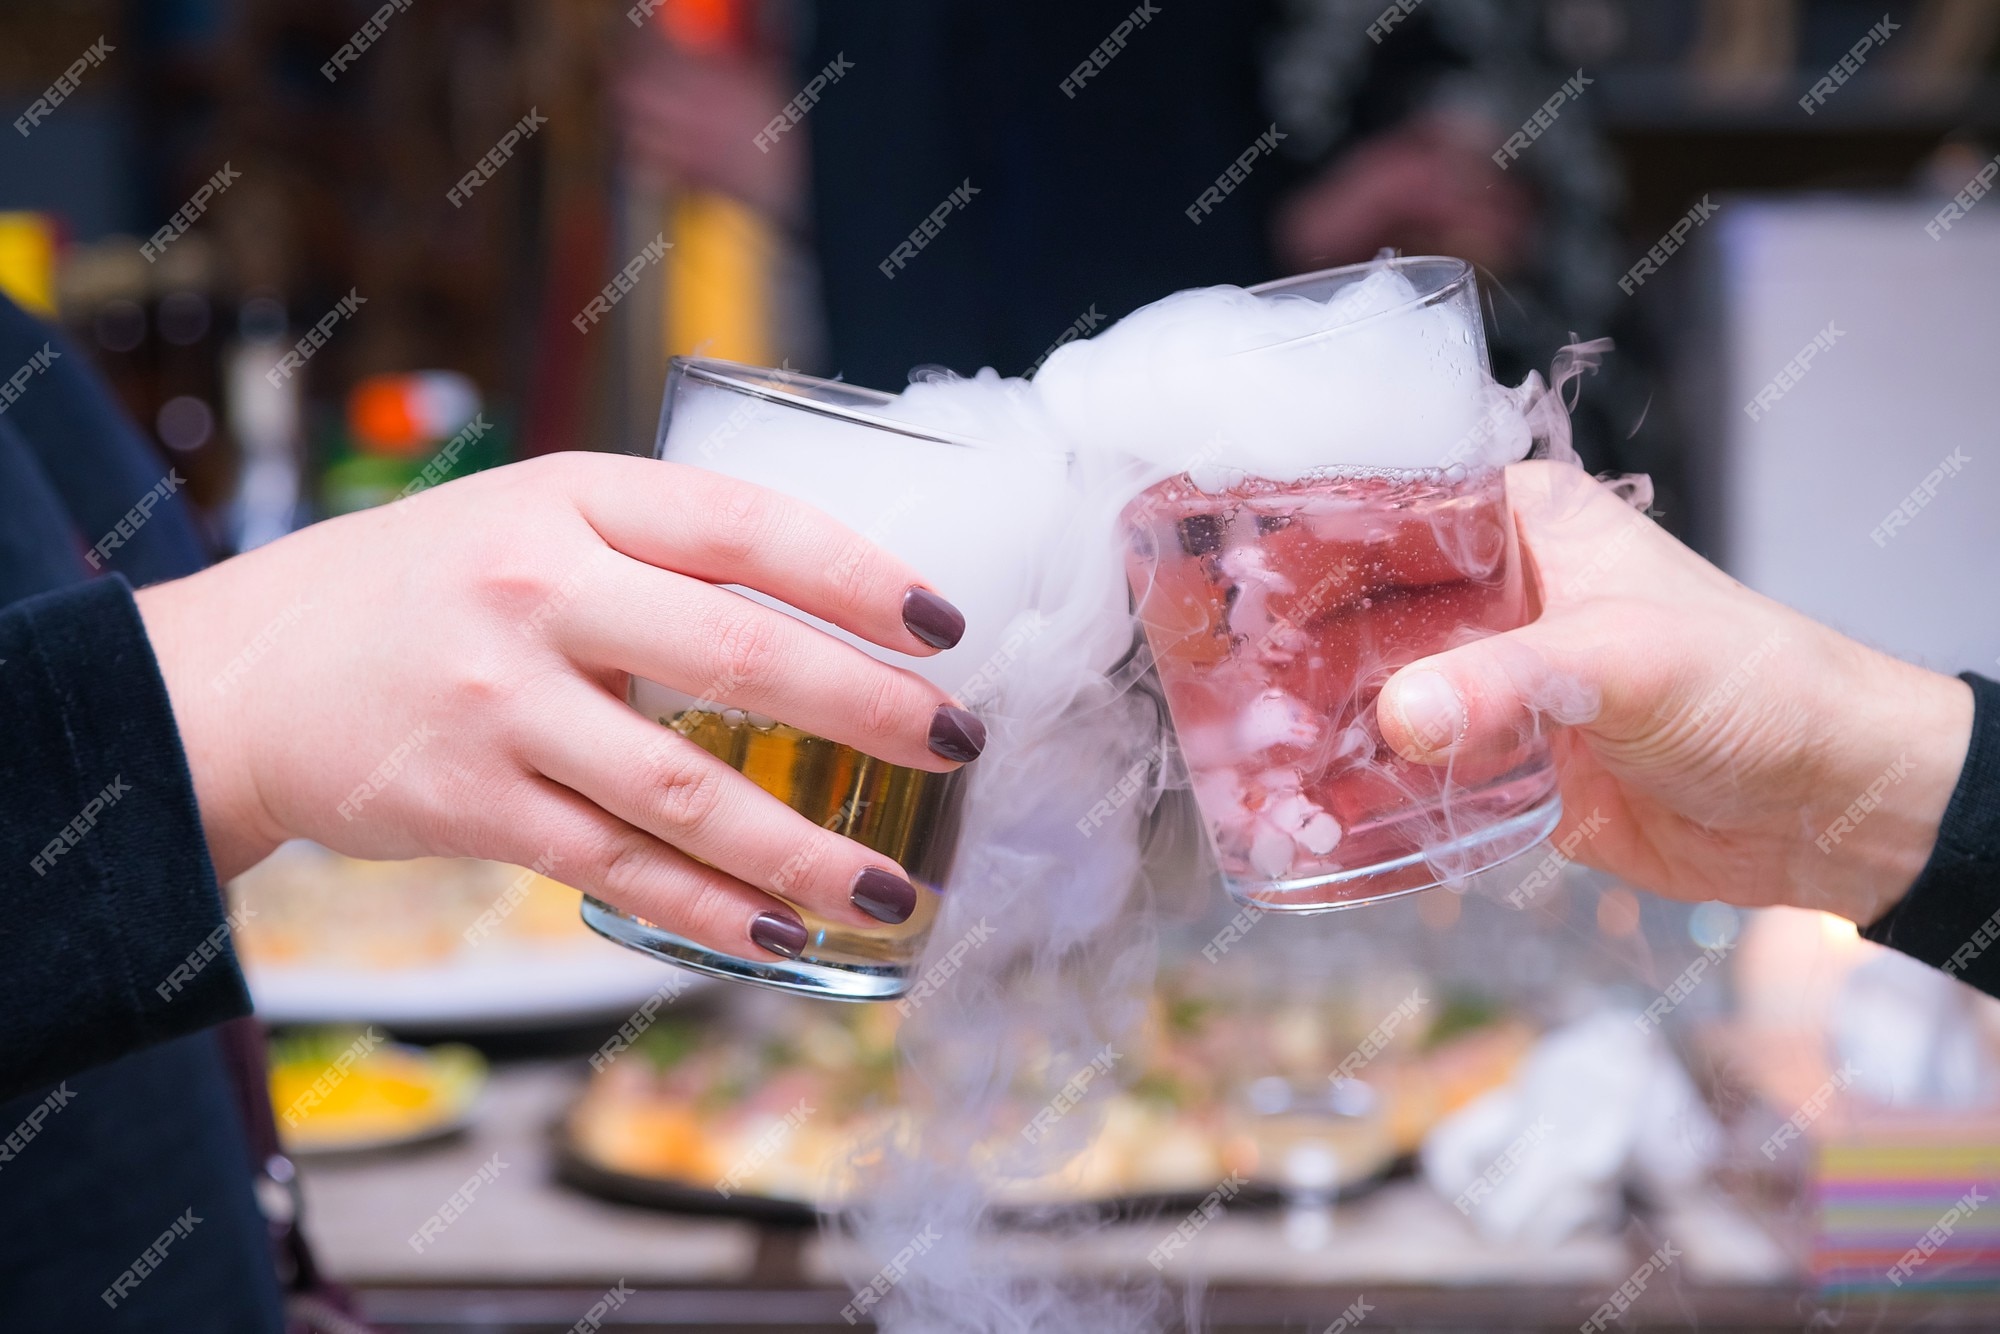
(924, 495)
(1277, 609)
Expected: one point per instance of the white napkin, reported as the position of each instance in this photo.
(1596, 1104)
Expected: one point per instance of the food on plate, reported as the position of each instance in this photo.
(307, 905)
(784, 1107)
(344, 1089)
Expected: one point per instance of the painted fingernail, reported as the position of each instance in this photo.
(932, 619)
(1431, 710)
(884, 897)
(956, 734)
(782, 934)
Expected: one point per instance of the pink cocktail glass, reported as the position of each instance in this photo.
(1275, 612)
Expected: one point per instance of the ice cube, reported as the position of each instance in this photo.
(1271, 852)
(1200, 534)
(1305, 821)
(1320, 834)
(1214, 478)
(1289, 809)
(1248, 564)
(1276, 718)
(1250, 607)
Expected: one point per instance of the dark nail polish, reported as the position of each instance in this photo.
(932, 619)
(956, 734)
(781, 934)
(883, 896)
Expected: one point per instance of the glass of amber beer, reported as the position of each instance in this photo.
(923, 494)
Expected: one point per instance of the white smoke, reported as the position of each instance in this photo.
(970, 516)
(1066, 926)
(1052, 875)
(1366, 379)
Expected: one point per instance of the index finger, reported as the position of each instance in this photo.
(716, 528)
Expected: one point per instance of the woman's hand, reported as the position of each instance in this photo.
(1724, 746)
(446, 675)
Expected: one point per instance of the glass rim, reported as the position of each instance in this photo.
(790, 389)
(1463, 277)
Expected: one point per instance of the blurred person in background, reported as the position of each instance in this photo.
(1087, 158)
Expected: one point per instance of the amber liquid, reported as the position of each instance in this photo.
(908, 814)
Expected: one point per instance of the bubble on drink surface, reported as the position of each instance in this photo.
(1222, 383)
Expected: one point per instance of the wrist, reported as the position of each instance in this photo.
(1897, 737)
(214, 729)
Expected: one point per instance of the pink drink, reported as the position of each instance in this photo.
(1275, 613)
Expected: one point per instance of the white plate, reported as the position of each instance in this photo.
(495, 987)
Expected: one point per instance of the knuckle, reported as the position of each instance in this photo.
(747, 521)
(708, 907)
(686, 788)
(889, 706)
(634, 872)
(851, 575)
(511, 587)
(803, 867)
(482, 678)
(567, 465)
(744, 646)
(522, 587)
(627, 868)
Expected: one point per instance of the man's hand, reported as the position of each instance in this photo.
(1733, 748)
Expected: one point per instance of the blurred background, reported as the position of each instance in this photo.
(329, 253)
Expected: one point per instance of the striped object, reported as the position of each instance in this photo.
(1907, 1200)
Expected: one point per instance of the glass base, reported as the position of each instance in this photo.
(1481, 850)
(849, 982)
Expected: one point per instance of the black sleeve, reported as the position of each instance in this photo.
(111, 923)
(1951, 917)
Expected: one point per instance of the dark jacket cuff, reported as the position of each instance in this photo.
(1951, 917)
(112, 934)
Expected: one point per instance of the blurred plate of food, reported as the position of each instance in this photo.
(430, 943)
(736, 1116)
(769, 1121)
(337, 1090)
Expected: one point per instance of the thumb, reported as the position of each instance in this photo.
(1487, 698)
